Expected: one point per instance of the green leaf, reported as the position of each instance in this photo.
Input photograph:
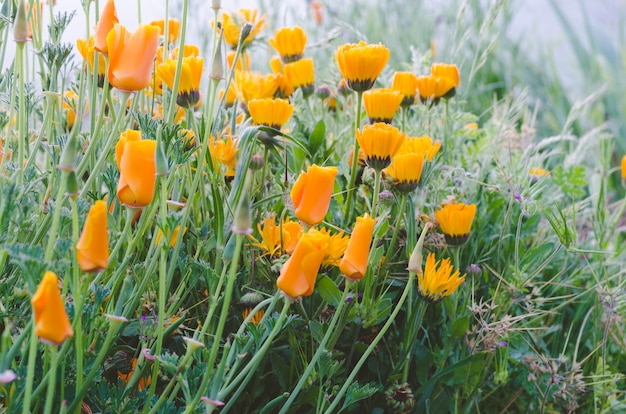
(459, 327)
(328, 290)
(317, 137)
(357, 393)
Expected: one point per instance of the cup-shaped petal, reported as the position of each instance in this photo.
(51, 322)
(354, 262)
(131, 56)
(108, 19)
(137, 173)
(289, 42)
(455, 220)
(361, 63)
(311, 193)
(298, 274)
(92, 249)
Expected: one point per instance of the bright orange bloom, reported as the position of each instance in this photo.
(433, 88)
(298, 274)
(231, 25)
(406, 171)
(317, 8)
(380, 142)
(276, 240)
(438, 279)
(301, 74)
(173, 28)
(70, 99)
(92, 249)
(624, 167)
(444, 70)
(231, 96)
(87, 51)
(455, 221)
(381, 104)
(143, 382)
(423, 144)
(189, 81)
(136, 161)
(361, 63)
(291, 233)
(108, 19)
(243, 63)
(311, 193)
(131, 56)
(289, 42)
(224, 152)
(406, 84)
(51, 322)
(253, 85)
(354, 262)
(273, 113)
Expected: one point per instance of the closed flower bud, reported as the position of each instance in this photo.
(217, 66)
(311, 193)
(108, 19)
(136, 161)
(246, 29)
(92, 249)
(242, 222)
(353, 265)
(69, 154)
(20, 24)
(71, 185)
(256, 162)
(51, 322)
(216, 4)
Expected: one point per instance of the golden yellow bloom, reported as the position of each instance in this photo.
(291, 233)
(354, 262)
(232, 23)
(92, 249)
(276, 240)
(136, 161)
(471, 125)
(537, 173)
(298, 274)
(188, 51)
(243, 63)
(301, 74)
(438, 279)
(173, 237)
(361, 63)
(406, 84)
(337, 244)
(289, 42)
(87, 51)
(70, 101)
(248, 302)
(131, 56)
(381, 104)
(224, 152)
(173, 29)
(189, 80)
(433, 88)
(444, 70)
(231, 96)
(273, 113)
(51, 322)
(624, 167)
(455, 221)
(423, 144)
(108, 19)
(406, 171)
(253, 85)
(125, 377)
(311, 193)
(380, 142)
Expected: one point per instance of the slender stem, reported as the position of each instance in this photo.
(77, 298)
(320, 350)
(396, 227)
(52, 379)
(30, 370)
(58, 202)
(179, 62)
(374, 210)
(21, 112)
(355, 160)
(409, 340)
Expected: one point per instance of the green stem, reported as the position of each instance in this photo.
(52, 237)
(30, 370)
(77, 298)
(415, 323)
(320, 350)
(179, 62)
(22, 132)
(52, 379)
(45, 130)
(374, 210)
(355, 161)
(396, 228)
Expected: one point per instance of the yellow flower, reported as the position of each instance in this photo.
(455, 221)
(231, 96)
(433, 88)
(423, 144)
(232, 23)
(189, 80)
(298, 274)
(291, 233)
(70, 101)
(173, 29)
(248, 302)
(361, 63)
(87, 51)
(354, 262)
(285, 88)
(624, 167)
(438, 279)
(273, 113)
(311, 193)
(301, 74)
(444, 70)
(51, 322)
(537, 173)
(380, 142)
(289, 42)
(92, 249)
(406, 171)
(337, 244)
(253, 85)
(381, 104)
(224, 152)
(173, 237)
(276, 240)
(406, 84)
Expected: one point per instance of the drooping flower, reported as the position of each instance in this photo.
(455, 220)
(380, 142)
(301, 75)
(311, 193)
(299, 272)
(92, 249)
(438, 280)
(381, 104)
(173, 28)
(136, 161)
(406, 84)
(361, 63)
(445, 70)
(224, 152)
(189, 80)
(273, 113)
(51, 322)
(432, 88)
(131, 56)
(108, 19)
(232, 24)
(289, 42)
(87, 51)
(406, 170)
(353, 265)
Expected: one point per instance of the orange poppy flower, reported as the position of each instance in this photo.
(51, 322)
(311, 193)
(108, 19)
(92, 249)
(136, 161)
(353, 265)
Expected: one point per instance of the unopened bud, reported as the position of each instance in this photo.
(216, 4)
(69, 154)
(20, 24)
(217, 67)
(71, 185)
(415, 261)
(242, 223)
(256, 162)
(323, 92)
(246, 29)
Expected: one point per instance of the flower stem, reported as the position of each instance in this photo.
(22, 132)
(78, 299)
(376, 193)
(52, 380)
(355, 161)
(30, 370)
(320, 349)
(396, 227)
(179, 62)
